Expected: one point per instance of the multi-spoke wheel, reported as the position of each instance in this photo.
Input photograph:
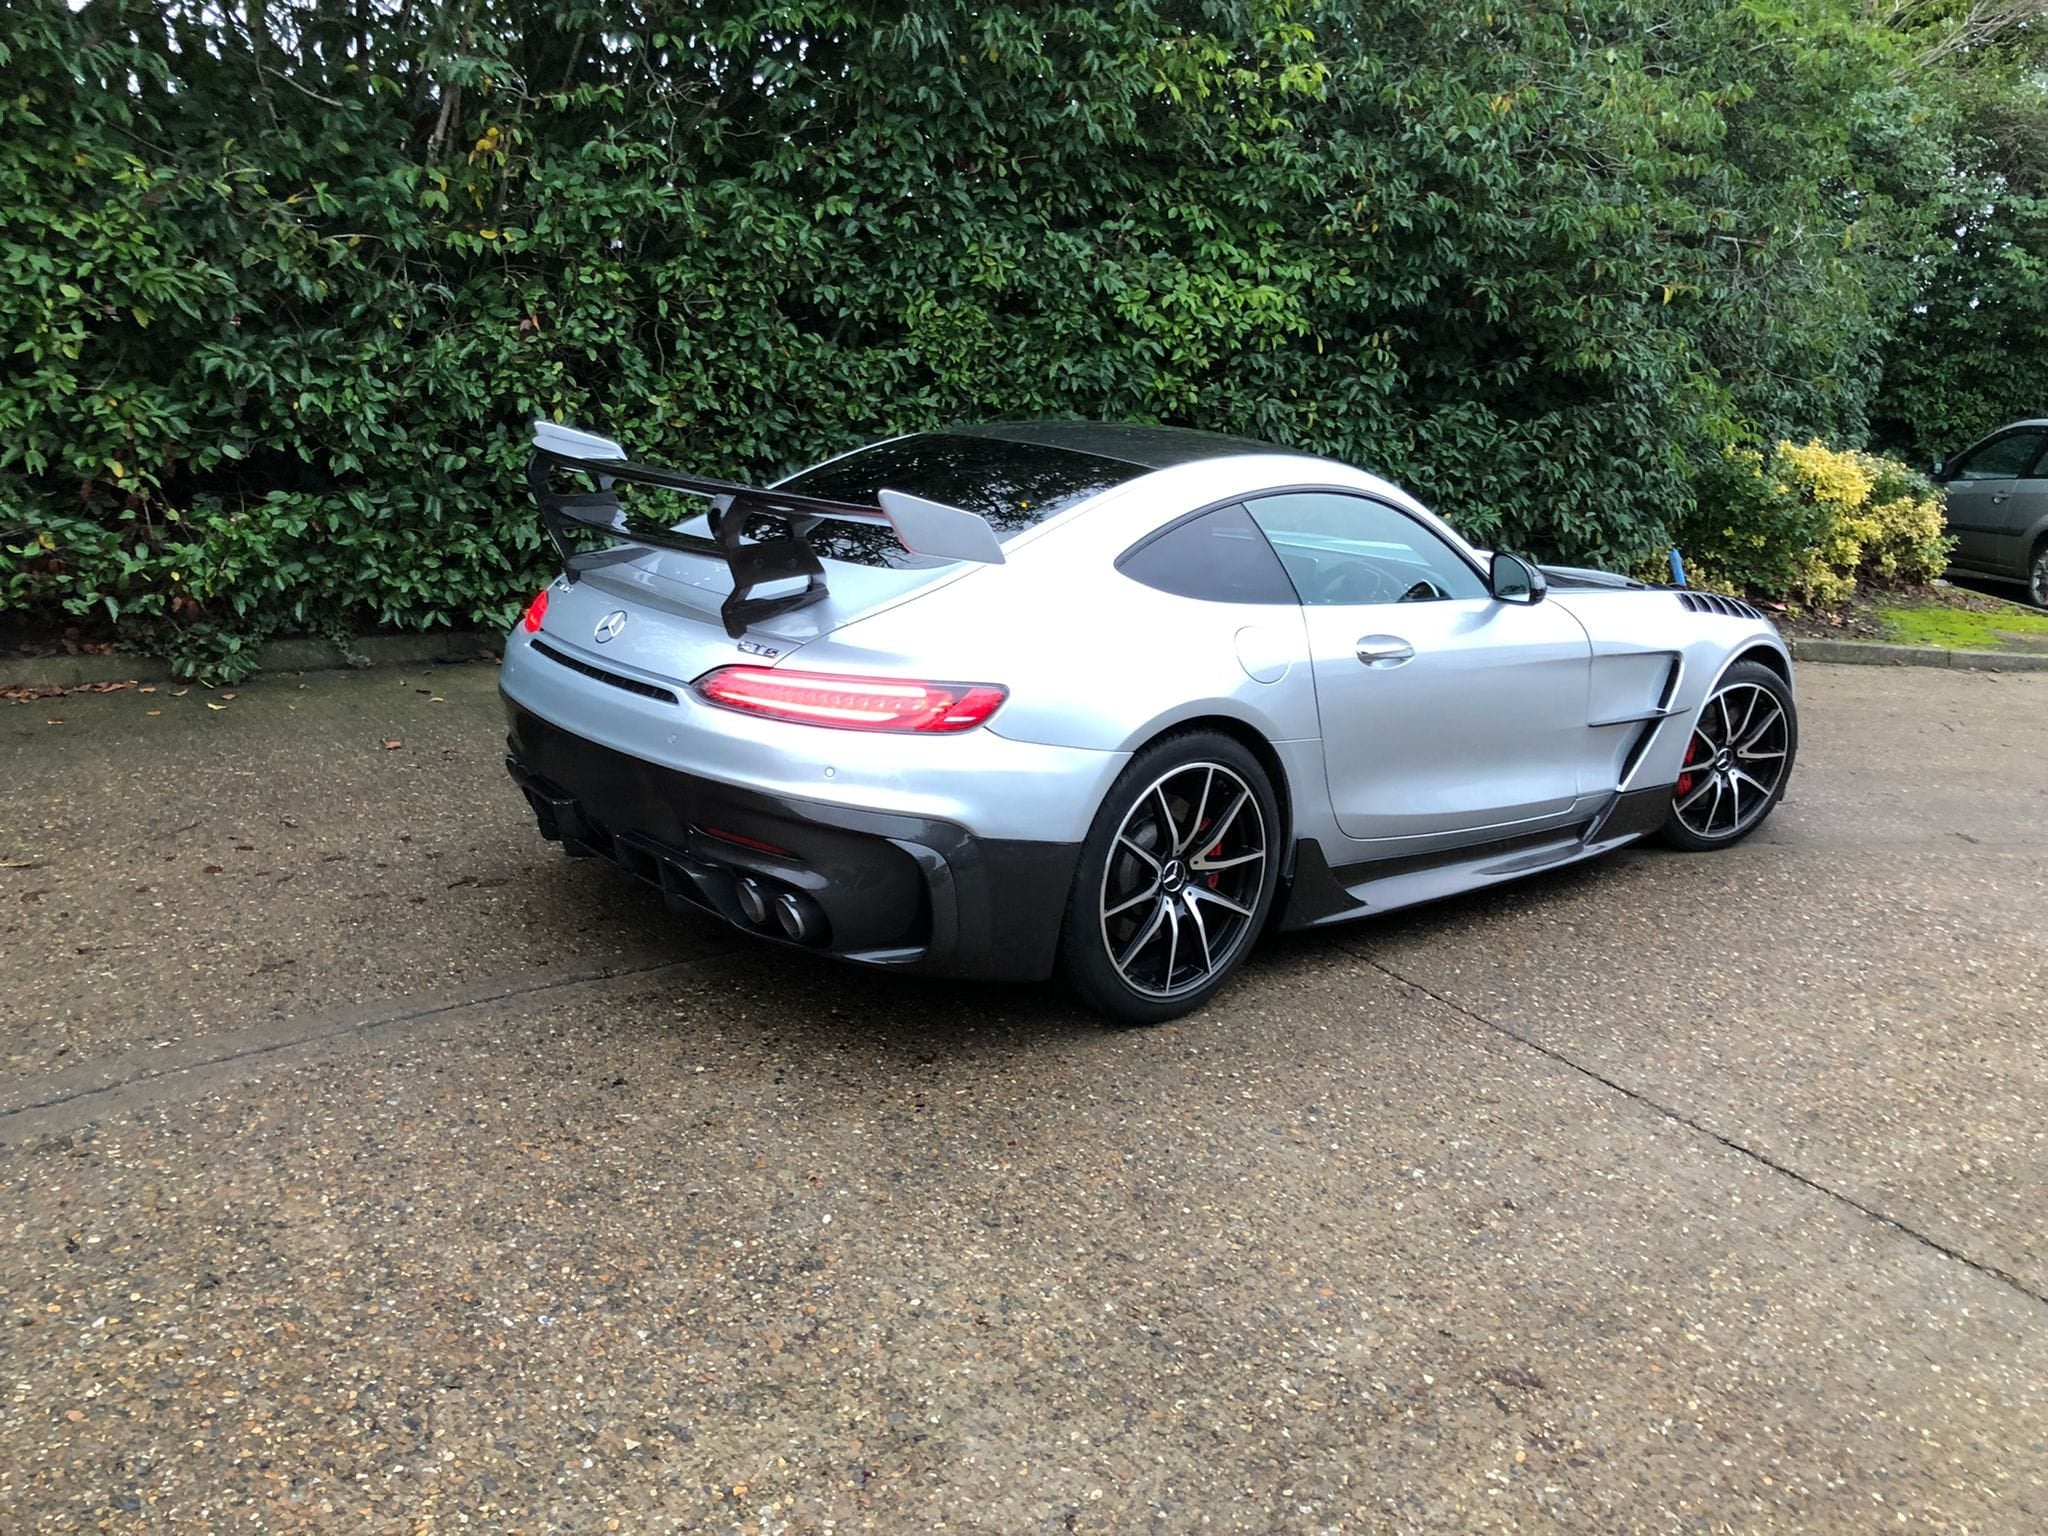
(2037, 575)
(1737, 759)
(1175, 880)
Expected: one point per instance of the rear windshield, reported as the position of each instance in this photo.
(1014, 485)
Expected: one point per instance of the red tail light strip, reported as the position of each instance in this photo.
(846, 703)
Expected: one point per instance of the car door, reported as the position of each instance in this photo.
(1988, 494)
(1444, 710)
(2016, 518)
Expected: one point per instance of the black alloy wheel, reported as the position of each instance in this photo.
(1175, 880)
(1737, 760)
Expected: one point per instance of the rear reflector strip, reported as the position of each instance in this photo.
(741, 840)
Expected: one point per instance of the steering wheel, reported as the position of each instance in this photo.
(1351, 581)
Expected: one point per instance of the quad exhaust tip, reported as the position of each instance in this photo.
(761, 904)
(791, 913)
(753, 902)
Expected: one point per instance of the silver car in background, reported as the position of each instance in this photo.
(1996, 502)
(1103, 701)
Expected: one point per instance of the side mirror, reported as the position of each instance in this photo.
(1939, 470)
(1515, 580)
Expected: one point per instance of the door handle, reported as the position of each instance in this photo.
(1385, 651)
(2002, 496)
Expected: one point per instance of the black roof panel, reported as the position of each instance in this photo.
(1146, 446)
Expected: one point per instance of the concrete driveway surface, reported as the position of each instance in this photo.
(366, 1166)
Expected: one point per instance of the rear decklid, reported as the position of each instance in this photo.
(672, 590)
(657, 613)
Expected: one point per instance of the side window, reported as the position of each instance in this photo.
(1219, 557)
(1343, 549)
(2004, 459)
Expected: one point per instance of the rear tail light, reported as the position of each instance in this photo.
(851, 703)
(535, 612)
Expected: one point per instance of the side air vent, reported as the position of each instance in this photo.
(1714, 602)
(616, 679)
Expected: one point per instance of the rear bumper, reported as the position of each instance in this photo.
(886, 889)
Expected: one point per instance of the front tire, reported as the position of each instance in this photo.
(1738, 760)
(1175, 880)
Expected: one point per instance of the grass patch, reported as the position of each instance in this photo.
(1967, 629)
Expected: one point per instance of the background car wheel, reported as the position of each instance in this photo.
(2037, 576)
(1737, 761)
(1175, 880)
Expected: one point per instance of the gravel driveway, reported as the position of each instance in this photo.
(366, 1166)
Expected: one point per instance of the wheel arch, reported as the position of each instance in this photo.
(1767, 655)
(1254, 741)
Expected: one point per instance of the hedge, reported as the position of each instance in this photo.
(288, 280)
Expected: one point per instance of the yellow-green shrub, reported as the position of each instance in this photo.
(1880, 522)
(1809, 523)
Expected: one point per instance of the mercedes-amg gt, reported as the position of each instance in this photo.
(1104, 701)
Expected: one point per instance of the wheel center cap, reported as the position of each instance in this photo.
(1173, 876)
(1724, 760)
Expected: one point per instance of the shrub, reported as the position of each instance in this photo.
(1746, 533)
(1810, 523)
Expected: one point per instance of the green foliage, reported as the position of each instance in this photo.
(1969, 354)
(1746, 532)
(289, 279)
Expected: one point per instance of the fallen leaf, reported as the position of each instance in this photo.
(213, 869)
(75, 1415)
(393, 745)
(56, 719)
(153, 712)
(211, 705)
(23, 863)
(181, 693)
(149, 688)
(227, 695)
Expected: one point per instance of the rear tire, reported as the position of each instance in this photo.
(2037, 576)
(1738, 760)
(1175, 881)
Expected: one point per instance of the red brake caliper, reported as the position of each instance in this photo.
(1692, 749)
(1215, 876)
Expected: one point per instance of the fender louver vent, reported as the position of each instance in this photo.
(1714, 602)
(616, 679)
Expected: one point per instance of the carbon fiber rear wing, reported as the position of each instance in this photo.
(922, 527)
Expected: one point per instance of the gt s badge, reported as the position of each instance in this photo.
(609, 626)
(756, 648)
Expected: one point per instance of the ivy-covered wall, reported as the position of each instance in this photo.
(285, 281)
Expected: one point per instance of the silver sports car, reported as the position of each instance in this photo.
(1102, 701)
